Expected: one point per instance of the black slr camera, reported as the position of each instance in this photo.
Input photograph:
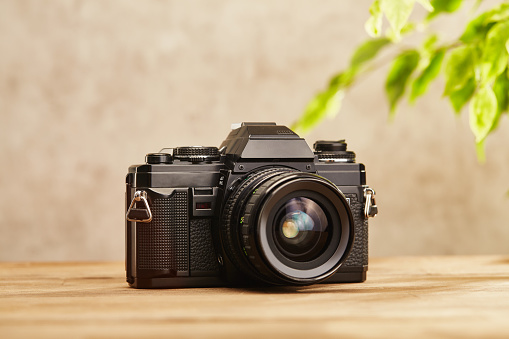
(260, 209)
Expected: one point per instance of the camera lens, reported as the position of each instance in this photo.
(302, 230)
(282, 226)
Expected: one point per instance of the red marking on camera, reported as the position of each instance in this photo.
(203, 205)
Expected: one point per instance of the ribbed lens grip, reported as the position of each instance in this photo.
(231, 230)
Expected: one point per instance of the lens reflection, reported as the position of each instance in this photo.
(296, 222)
(302, 230)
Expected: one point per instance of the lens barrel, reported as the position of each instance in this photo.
(282, 226)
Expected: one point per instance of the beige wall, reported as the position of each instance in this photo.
(88, 87)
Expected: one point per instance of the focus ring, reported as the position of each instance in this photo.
(249, 221)
(230, 230)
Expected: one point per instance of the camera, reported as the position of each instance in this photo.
(260, 209)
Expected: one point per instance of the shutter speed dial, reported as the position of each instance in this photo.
(333, 151)
(196, 153)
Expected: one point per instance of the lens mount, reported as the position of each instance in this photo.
(287, 227)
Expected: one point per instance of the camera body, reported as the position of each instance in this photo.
(260, 209)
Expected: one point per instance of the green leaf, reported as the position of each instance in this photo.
(499, 13)
(429, 43)
(478, 28)
(501, 89)
(459, 68)
(420, 85)
(427, 5)
(479, 149)
(367, 51)
(408, 28)
(374, 24)
(476, 6)
(444, 6)
(399, 73)
(460, 97)
(397, 13)
(494, 58)
(483, 112)
(325, 104)
(343, 79)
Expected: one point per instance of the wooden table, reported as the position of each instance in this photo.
(405, 297)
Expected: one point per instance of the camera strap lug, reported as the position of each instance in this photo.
(139, 214)
(370, 208)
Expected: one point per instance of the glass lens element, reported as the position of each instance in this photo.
(302, 229)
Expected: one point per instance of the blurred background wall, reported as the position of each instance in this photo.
(88, 87)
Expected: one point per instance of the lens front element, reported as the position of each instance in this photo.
(302, 229)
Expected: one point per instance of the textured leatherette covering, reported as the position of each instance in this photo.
(203, 256)
(359, 254)
(163, 243)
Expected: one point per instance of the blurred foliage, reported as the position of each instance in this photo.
(475, 65)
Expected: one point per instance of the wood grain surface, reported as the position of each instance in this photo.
(404, 297)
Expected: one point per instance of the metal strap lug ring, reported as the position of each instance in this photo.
(139, 196)
(370, 208)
